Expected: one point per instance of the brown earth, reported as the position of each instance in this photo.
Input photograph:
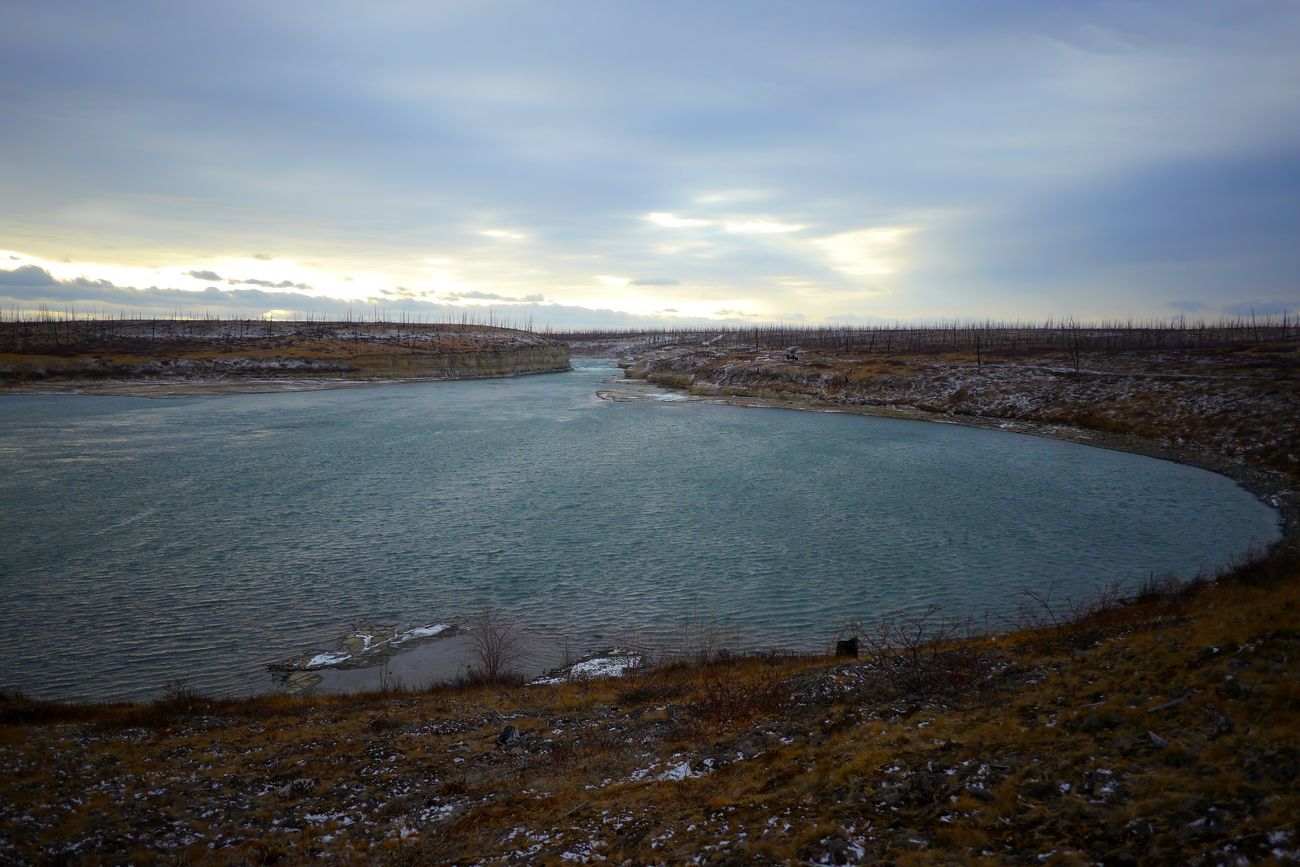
(1160, 728)
(98, 356)
(1242, 404)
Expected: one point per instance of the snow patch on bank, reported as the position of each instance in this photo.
(613, 665)
(361, 646)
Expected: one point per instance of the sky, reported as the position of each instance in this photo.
(620, 164)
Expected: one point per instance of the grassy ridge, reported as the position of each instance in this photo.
(1162, 729)
(81, 351)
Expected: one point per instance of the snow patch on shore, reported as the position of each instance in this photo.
(361, 645)
(422, 632)
(325, 660)
(614, 665)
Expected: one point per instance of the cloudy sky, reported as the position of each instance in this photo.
(613, 163)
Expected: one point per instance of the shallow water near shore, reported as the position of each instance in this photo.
(202, 538)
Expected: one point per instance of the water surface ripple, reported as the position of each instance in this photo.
(148, 540)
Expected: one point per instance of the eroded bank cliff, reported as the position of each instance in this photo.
(83, 353)
(1243, 406)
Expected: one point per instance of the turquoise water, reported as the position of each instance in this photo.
(146, 540)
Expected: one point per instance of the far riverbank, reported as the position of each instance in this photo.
(947, 392)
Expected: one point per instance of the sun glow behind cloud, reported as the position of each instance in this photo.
(672, 221)
(876, 252)
(855, 160)
(745, 226)
(760, 227)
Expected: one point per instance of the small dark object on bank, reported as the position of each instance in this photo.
(847, 647)
(508, 736)
(300, 786)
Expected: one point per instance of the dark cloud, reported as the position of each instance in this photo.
(269, 284)
(403, 292)
(656, 281)
(212, 276)
(29, 287)
(476, 295)
(1043, 149)
(28, 276)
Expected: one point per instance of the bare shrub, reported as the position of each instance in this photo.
(1153, 589)
(389, 683)
(498, 646)
(1259, 566)
(699, 642)
(1059, 624)
(921, 653)
(656, 685)
(179, 691)
(726, 704)
(1054, 624)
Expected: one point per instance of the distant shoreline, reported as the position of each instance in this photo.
(160, 389)
(152, 358)
(1272, 488)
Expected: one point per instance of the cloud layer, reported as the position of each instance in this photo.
(828, 160)
(33, 289)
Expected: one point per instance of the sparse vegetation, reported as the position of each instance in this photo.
(1155, 725)
(1168, 736)
(1237, 403)
(498, 647)
(103, 352)
(983, 340)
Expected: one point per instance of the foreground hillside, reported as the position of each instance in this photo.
(1157, 728)
(1160, 731)
(103, 354)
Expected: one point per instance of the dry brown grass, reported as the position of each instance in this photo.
(1160, 728)
(1049, 750)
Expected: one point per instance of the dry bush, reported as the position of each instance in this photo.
(17, 708)
(921, 653)
(179, 701)
(726, 704)
(498, 646)
(381, 722)
(699, 643)
(1261, 567)
(653, 687)
(1059, 625)
(475, 678)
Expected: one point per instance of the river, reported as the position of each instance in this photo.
(201, 538)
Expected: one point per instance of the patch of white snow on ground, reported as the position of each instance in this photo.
(598, 666)
(422, 632)
(371, 643)
(321, 660)
(605, 666)
(678, 772)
